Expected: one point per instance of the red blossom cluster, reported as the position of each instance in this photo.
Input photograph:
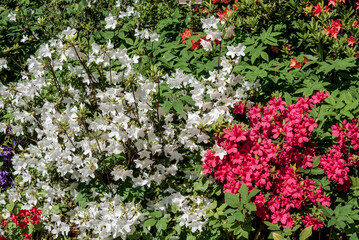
(185, 35)
(239, 108)
(336, 164)
(334, 28)
(22, 220)
(317, 10)
(333, 2)
(223, 13)
(351, 41)
(266, 155)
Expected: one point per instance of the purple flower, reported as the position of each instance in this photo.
(4, 180)
(6, 153)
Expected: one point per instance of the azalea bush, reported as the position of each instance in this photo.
(154, 120)
(276, 155)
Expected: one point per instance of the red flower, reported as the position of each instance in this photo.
(356, 54)
(332, 2)
(355, 23)
(14, 218)
(336, 24)
(294, 63)
(317, 10)
(27, 236)
(2, 237)
(36, 219)
(23, 223)
(351, 41)
(185, 34)
(287, 46)
(357, 3)
(196, 44)
(309, 221)
(239, 108)
(326, 9)
(318, 97)
(222, 14)
(334, 28)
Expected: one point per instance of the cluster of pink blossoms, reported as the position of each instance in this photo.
(266, 155)
(336, 164)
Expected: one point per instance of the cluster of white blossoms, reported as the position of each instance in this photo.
(78, 108)
(111, 21)
(210, 26)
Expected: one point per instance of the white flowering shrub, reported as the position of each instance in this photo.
(114, 140)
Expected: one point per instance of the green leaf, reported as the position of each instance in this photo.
(231, 199)
(306, 233)
(121, 35)
(178, 106)
(244, 193)
(251, 207)
(316, 171)
(168, 56)
(354, 237)
(31, 228)
(191, 237)
(129, 41)
(188, 99)
(167, 106)
(9, 116)
(162, 224)
(108, 34)
(55, 209)
(213, 205)
(277, 236)
(81, 200)
(344, 64)
(174, 208)
(265, 56)
(156, 214)
(316, 161)
(253, 193)
(256, 53)
(149, 222)
(287, 98)
(10, 206)
(271, 226)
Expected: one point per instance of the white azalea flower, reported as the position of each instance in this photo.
(110, 22)
(24, 38)
(210, 22)
(207, 45)
(154, 37)
(230, 31)
(236, 51)
(213, 35)
(3, 63)
(12, 17)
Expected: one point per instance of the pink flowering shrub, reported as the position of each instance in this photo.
(266, 155)
(343, 155)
